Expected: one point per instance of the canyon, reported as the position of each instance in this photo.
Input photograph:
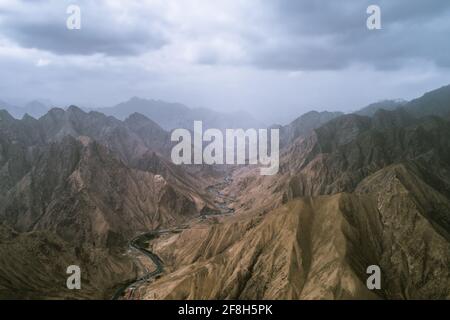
(353, 190)
(231, 150)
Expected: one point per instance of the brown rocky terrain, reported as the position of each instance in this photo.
(65, 182)
(103, 200)
(33, 266)
(352, 191)
(319, 247)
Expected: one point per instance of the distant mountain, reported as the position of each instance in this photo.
(14, 111)
(304, 125)
(389, 105)
(176, 115)
(35, 108)
(436, 102)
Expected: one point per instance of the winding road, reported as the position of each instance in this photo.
(140, 243)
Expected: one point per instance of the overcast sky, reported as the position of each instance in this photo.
(274, 58)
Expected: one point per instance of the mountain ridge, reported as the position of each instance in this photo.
(352, 191)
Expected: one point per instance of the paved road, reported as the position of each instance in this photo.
(140, 242)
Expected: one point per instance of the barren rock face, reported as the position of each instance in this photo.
(64, 179)
(415, 234)
(352, 192)
(35, 264)
(318, 248)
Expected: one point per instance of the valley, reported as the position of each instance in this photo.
(142, 242)
(353, 190)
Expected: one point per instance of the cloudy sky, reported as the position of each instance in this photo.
(273, 58)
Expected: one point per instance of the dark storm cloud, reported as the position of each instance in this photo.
(326, 35)
(43, 26)
(54, 37)
(292, 34)
(274, 58)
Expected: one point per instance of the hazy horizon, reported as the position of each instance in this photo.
(274, 60)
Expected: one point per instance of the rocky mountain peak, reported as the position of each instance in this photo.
(5, 116)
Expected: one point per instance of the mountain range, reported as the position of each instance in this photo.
(175, 115)
(354, 190)
(35, 108)
(168, 115)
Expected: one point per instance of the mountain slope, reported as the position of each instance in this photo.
(388, 105)
(33, 266)
(355, 192)
(317, 248)
(174, 115)
(436, 102)
(343, 152)
(103, 202)
(72, 193)
(33, 108)
(304, 125)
